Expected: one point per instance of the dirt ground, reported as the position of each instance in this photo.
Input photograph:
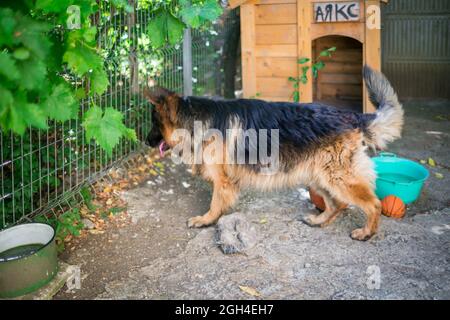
(157, 257)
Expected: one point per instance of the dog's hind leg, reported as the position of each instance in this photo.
(332, 209)
(346, 172)
(224, 196)
(359, 192)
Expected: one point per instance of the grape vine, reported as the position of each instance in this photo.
(42, 55)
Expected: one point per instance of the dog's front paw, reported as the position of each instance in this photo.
(361, 234)
(311, 220)
(198, 222)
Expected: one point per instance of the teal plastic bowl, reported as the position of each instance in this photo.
(400, 177)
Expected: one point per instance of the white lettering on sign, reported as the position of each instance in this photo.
(336, 11)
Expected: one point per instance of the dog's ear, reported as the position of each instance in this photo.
(157, 95)
(165, 101)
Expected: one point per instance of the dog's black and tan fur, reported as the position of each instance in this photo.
(320, 146)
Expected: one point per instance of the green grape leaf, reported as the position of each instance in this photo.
(80, 93)
(8, 67)
(211, 10)
(165, 28)
(304, 79)
(122, 4)
(327, 52)
(73, 37)
(175, 29)
(191, 18)
(33, 35)
(196, 15)
(19, 114)
(33, 73)
(21, 54)
(7, 25)
(303, 60)
(305, 70)
(6, 101)
(99, 81)
(89, 35)
(61, 105)
(52, 6)
(87, 8)
(319, 65)
(157, 29)
(81, 59)
(106, 127)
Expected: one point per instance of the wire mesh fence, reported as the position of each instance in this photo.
(44, 170)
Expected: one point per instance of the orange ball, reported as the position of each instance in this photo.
(392, 206)
(317, 200)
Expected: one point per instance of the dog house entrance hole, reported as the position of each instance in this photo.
(340, 82)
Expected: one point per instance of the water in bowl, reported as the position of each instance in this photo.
(396, 177)
(20, 251)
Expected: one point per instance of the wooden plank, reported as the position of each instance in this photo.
(277, 50)
(339, 42)
(372, 53)
(270, 1)
(276, 34)
(338, 78)
(304, 18)
(276, 14)
(342, 67)
(274, 87)
(248, 49)
(276, 67)
(341, 90)
(275, 1)
(236, 3)
(275, 99)
(346, 55)
(353, 30)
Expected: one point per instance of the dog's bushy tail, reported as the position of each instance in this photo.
(388, 123)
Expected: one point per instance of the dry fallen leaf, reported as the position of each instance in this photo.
(440, 117)
(94, 231)
(84, 211)
(439, 175)
(251, 291)
(431, 162)
(263, 221)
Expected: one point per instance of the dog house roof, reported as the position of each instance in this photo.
(236, 3)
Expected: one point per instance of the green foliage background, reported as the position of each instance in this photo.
(51, 78)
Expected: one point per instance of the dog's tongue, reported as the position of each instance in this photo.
(161, 148)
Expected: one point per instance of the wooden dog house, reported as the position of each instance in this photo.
(276, 33)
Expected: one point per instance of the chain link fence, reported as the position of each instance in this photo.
(44, 171)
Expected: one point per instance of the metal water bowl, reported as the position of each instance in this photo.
(28, 258)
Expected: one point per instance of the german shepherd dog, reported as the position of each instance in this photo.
(319, 146)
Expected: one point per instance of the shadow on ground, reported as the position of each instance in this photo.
(158, 257)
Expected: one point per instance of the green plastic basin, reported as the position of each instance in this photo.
(400, 177)
(28, 258)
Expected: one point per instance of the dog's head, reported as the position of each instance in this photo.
(164, 116)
